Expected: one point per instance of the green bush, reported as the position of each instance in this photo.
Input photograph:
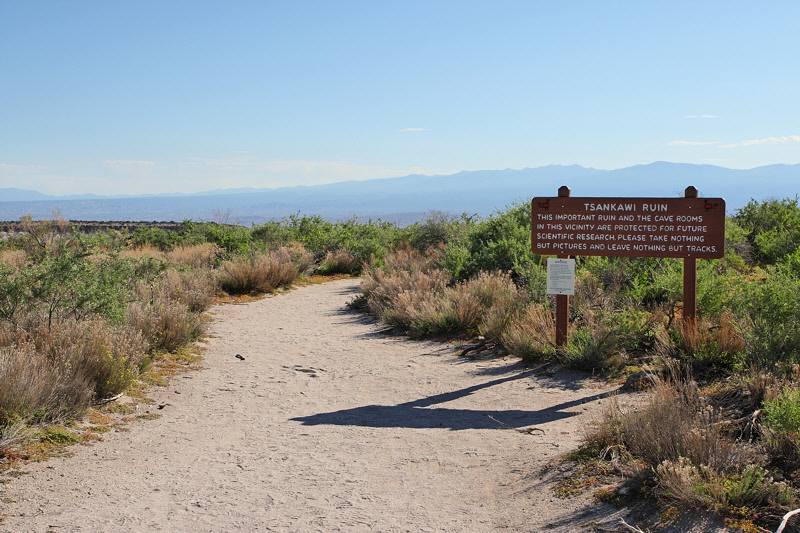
(772, 226)
(501, 242)
(783, 414)
(273, 233)
(770, 311)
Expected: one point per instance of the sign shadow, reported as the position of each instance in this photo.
(423, 413)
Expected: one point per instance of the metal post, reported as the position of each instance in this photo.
(562, 300)
(690, 283)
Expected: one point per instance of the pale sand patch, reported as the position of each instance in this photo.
(326, 425)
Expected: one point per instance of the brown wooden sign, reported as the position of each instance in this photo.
(629, 227)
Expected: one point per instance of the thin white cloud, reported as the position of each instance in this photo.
(413, 129)
(700, 116)
(768, 140)
(692, 143)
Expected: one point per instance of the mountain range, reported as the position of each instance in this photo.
(408, 198)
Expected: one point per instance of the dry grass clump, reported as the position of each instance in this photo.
(139, 252)
(713, 343)
(679, 422)
(303, 259)
(405, 263)
(16, 259)
(258, 273)
(690, 451)
(397, 297)
(703, 486)
(106, 356)
(412, 293)
(531, 333)
(196, 290)
(33, 388)
(479, 303)
(196, 257)
(70, 356)
(339, 262)
(13, 433)
(165, 324)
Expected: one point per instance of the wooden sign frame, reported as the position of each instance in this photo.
(688, 228)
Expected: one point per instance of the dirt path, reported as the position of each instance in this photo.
(326, 425)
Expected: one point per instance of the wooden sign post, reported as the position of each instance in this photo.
(690, 278)
(562, 300)
(687, 228)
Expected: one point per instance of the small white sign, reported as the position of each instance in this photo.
(560, 276)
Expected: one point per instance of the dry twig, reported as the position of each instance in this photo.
(785, 520)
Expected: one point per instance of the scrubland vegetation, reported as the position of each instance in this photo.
(721, 429)
(85, 317)
(82, 317)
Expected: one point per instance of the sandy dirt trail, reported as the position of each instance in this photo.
(327, 424)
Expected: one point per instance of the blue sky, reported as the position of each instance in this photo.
(174, 96)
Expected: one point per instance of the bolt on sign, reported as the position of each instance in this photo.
(629, 227)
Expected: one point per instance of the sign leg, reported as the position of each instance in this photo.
(562, 321)
(690, 295)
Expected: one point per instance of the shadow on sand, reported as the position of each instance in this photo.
(422, 413)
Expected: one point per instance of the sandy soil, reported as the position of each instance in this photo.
(328, 424)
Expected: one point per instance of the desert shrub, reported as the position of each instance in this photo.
(196, 290)
(104, 356)
(273, 234)
(143, 251)
(682, 439)
(35, 237)
(397, 297)
(362, 240)
(258, 272)
(770, 310)
(154, 237)
(32, 388)
(68, 284)
(655, 282)
(603, 337)
(495, 320)
(531, 333)
(738, 250)
(464, 306)
(783, 413)
(605, 323)
(16, 259)
(165, 325)
(15, 298)
(500, 242)
(780, 428)
(233, 239)
(404, 259)
(772, 226)
(715, 343)
(13, 433)
(702, 486)
(438, 229)
(302, 259)
(196, 257)
(339, 262)
(791, 262)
